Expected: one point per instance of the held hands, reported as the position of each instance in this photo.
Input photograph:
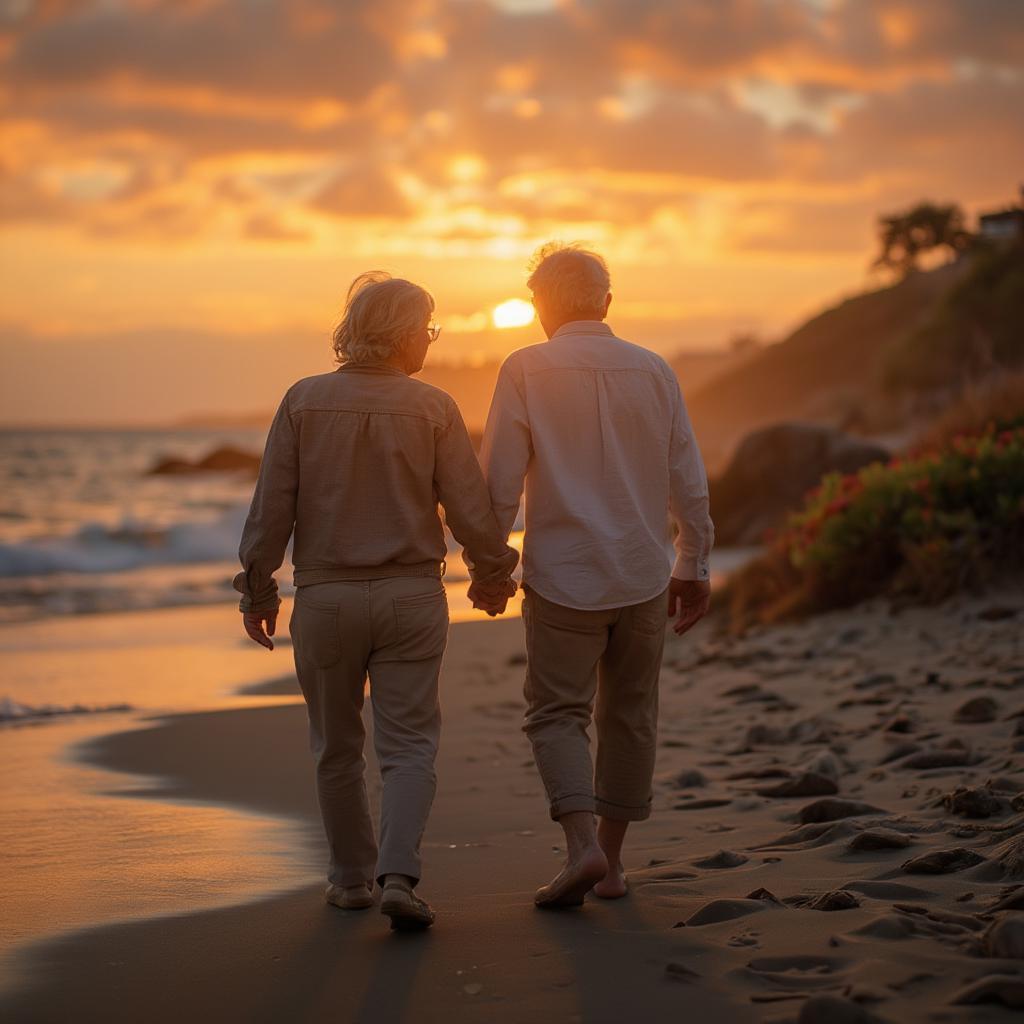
(492, 597)
(688, 602)
(253, 622)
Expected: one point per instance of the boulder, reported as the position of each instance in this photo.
(771, 472)
(220, 460)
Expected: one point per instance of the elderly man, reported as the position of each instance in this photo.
(597, 430)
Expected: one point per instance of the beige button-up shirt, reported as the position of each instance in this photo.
(356, 462)
(597, 430)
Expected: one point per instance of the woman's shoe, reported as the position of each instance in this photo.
(406, 910)
(350, 897)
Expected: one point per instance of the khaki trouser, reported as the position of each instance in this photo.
(573, 655)
(395, 630)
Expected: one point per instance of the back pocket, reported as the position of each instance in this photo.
(422, 625)
(317, 639)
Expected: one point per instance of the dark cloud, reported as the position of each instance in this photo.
(923, 93)
(247, 48)
(363, 191)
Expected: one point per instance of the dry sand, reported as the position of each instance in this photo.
(810, 857)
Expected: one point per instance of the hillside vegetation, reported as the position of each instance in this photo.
(880, 362)
(916, 529)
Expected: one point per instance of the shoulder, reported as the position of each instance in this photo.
(308, 387)
(516, 362)
(644, 359)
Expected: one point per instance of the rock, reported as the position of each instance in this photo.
(227, 459)
(772, 471)
(762, 735)
(942, 862)
(1004, 783)
(807, 784)
(954, 758)
(1007, 989)
(833, 808)
(877, 839)
(825, 1009)
(826, 763)
(170, 467)
(722, 859)
(220, 460)
(900, 723)
(838, 899)
(973, 803)
(1005, 939)
(976, 711)
(689, 778)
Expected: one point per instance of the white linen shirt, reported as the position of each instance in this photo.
(597, 430)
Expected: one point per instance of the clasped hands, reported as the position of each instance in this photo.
(492, 597)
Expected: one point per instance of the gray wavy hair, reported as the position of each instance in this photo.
(381, 312)
(569, 278)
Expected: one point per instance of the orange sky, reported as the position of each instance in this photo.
(188, 186)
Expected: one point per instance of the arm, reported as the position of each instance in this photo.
(507, 447)
(467, 505)
(690, 587)
(269, 526)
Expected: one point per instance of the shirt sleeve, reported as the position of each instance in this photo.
(507, 448)
(467, 505)
(688, 499)
(271, 517)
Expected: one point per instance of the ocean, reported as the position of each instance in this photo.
(84, 528)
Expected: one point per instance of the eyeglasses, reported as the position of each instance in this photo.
(433, 332)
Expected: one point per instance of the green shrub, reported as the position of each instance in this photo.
(918, 529)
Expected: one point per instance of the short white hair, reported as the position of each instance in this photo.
(381, 312)
(569, 278)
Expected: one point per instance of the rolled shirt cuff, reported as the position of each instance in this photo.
(688, 567)
(265, 601)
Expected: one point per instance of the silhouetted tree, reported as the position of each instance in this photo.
(904, 236)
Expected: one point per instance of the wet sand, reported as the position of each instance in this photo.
(810, 857)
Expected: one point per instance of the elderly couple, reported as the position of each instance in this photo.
(356, 463)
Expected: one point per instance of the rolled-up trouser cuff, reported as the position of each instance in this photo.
(411, 867)
(571, 804)
(622, 812)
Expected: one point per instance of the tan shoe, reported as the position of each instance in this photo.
(350, 897)
(406, 910)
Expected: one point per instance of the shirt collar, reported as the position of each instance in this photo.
(370, 368)
(583, 327)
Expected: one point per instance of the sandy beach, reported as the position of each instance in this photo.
(806, 830)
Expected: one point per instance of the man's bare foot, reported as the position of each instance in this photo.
(613, 886)
(574, 881)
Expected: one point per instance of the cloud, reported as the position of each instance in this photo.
(362, 191)
(781, 103)
(242, 48)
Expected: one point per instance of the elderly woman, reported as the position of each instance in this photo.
(355, 463)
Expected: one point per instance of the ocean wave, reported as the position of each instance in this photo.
(13, 711)
(95, 548)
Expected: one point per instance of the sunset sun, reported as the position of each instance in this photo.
(512, 313)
